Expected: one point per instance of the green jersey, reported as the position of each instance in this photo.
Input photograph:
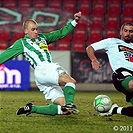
(35, 50)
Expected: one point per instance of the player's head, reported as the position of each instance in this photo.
(126, 32)
(30, 27)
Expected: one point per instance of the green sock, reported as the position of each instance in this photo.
(51, 109)
(69, 93)
(131, 100)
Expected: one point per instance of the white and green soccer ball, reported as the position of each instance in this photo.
(102, 103)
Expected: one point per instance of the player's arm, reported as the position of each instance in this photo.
(11, 52)
(63, 32)
(59, 34)
(91, 54)
(100, 45)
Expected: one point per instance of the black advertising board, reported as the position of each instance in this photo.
(83, 72)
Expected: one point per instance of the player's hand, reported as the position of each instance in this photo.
(77, 16)
(95, 65)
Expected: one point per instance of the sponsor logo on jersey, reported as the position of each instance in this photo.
(43, 46)
(128, 52)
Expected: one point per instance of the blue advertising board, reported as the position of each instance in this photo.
(15, 75)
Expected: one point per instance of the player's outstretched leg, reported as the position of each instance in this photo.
(128, 111)
(52, 109)
(110, 112)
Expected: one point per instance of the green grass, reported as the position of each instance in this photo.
(86, 121)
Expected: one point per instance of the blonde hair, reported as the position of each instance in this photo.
(26, 23)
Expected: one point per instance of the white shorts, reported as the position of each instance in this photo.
(46, 77)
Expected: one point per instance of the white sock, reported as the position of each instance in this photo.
(59, 110)
(71, 84)
(119, 110)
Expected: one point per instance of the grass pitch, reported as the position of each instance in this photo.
(86, 121)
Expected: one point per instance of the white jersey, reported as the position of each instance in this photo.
(120, 53)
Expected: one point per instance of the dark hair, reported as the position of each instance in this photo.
(126, 24)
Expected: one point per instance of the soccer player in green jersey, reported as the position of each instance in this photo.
(49, 76)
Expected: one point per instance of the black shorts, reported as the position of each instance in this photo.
(118, 77)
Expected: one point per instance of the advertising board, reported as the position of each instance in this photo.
(15, 75)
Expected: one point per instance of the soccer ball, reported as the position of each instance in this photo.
(102, 103)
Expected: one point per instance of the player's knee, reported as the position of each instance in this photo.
(65, 78)
(73, 81)
(128, 84)
(131, 85)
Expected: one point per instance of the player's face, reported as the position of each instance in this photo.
(32, 30)
(127, 34)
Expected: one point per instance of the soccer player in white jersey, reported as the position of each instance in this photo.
(120, 55)
(49, 76)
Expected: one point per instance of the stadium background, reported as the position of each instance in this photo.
(101, 19)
